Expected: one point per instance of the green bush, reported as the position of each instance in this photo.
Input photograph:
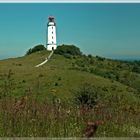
(35, 49)
(90, 56)
(84, 61)
(100, 58)
(136, 68)
(67, 50)
(86, 95)
(80, 63)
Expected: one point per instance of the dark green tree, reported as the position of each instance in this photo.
(39, 47)
(68, 50)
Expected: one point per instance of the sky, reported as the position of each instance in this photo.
(105, 29)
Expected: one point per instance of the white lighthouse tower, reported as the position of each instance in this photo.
(51, 44)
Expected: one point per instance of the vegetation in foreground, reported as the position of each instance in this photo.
(73, 95)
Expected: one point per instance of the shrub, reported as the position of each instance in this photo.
(136, 68)
(35, 49)
(91, 70)
(23, 81)
(86, 95)
(100, 58)
(90, 56)
(56, 84)
(92, 61)
(80, 63)
(40, 75)
(68, 50)
(59, 78)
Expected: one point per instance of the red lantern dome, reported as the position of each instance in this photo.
(51, 19)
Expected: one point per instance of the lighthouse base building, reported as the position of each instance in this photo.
(51, 47)
(51, 44)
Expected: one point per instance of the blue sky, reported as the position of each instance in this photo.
(108, 30)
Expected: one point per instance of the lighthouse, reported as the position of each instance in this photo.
(51, 43)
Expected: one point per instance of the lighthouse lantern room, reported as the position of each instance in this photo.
(51, 43)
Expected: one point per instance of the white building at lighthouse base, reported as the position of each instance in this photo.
(51, 47)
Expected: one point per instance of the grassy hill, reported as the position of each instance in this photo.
(41, 101)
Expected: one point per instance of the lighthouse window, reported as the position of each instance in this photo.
(52, 37)
(52, 27)
(52, 32)
(52, 42)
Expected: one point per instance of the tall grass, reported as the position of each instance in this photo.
(28, 117)
(25, 117)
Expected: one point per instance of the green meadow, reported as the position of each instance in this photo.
(59, 98)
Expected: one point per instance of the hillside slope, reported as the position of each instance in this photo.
(59, 78)
(57, 75)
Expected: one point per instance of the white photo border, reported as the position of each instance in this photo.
(69, 1)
